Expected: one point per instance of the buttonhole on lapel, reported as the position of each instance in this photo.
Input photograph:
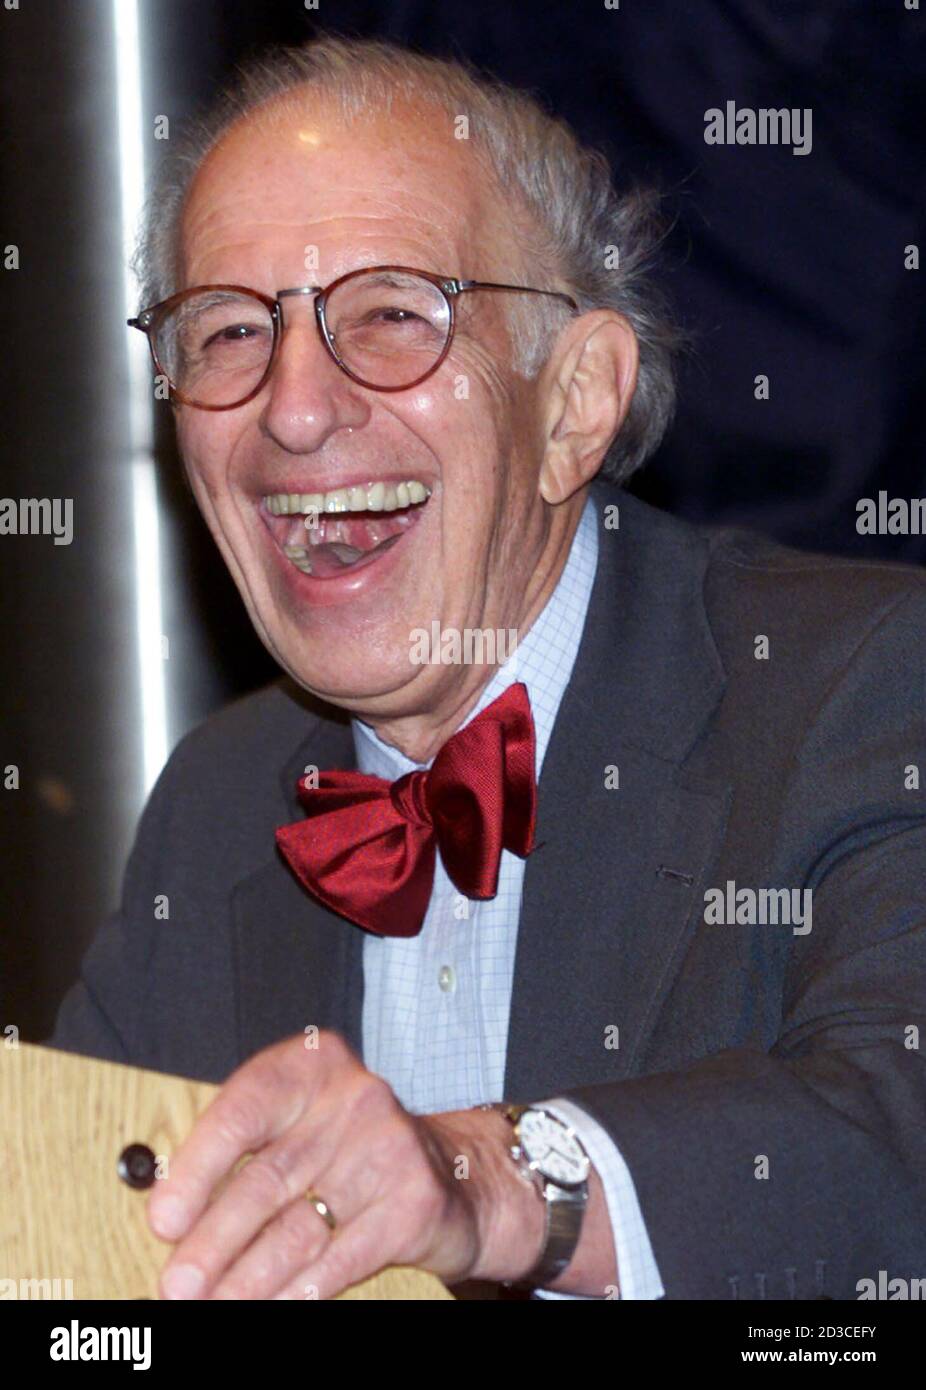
(665, 872)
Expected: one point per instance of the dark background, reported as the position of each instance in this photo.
(779, 264)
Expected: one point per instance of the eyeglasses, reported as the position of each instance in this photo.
(388, 327)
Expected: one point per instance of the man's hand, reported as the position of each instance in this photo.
(439, 1191)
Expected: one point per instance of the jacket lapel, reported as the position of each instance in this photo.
(296, 963)
(613, 888)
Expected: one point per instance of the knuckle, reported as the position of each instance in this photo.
(295, 1232)
(373, 1098)
(264, 1183)
(333, 1047)
(393, 1160)
(342, 1266)
(400, 1151)
(252, 1074)
(283, 1156)
(239, 1116)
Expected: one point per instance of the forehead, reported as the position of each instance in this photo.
(298, 174)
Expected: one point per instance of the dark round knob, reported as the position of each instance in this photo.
(136, 1165)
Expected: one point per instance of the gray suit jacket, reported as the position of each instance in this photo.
(734, 1041)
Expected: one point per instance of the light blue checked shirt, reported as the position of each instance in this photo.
(436, 1005)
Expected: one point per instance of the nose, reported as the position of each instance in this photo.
(309, 397)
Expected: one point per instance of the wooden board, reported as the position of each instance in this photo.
(64, 1212)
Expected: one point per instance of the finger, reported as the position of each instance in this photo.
(356, 1252)
(414, 1224)
(296, 1237)
(254, 1106)
(348, 1182)
(267, 1184)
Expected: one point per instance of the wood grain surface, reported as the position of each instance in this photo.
(64, 1212)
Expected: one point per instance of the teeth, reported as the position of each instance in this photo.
(374, 497)
(337, 501)
(299, 556)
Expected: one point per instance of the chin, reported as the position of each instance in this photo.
(352, 674)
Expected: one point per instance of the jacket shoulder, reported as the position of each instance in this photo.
(231, 771)
(821, 615)
(266, 724)
(736, 558)
(834, 598)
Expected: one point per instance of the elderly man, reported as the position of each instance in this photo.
(597, 970)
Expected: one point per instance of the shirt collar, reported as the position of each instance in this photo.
(543, 660)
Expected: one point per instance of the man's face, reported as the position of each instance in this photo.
(401, 191)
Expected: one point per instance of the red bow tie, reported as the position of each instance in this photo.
(367, 846)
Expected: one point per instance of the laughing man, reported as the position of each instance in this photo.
(439, 925)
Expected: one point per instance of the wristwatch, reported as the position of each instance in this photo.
(550, 1155)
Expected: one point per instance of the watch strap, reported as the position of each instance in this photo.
(565, 1210)
(565, 1213)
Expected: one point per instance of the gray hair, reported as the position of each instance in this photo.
(588, 239)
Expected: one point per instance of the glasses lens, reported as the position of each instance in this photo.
(388, 327)
(215, 345)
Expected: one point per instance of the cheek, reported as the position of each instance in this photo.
(459, 413)
(205, 449)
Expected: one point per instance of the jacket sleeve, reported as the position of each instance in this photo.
(837, 1109)
(103, 1013)
(800, 1170)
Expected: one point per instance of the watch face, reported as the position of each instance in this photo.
(552, 1148)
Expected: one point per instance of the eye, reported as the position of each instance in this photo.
(235, 332)
(393, 313)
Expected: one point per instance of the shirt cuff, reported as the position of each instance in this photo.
(638, 1273)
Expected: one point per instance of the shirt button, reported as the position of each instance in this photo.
(447, 979)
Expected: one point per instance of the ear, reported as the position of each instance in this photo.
(589, 382)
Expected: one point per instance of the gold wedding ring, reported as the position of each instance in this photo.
(323, 1209)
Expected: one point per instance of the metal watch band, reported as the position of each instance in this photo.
(565, 1210)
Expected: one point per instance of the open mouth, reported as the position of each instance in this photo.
(325, 534)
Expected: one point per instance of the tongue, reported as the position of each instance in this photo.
(347, 554)
(331, 557)
(341, 541)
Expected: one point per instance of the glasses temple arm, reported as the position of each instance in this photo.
(517, 289)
